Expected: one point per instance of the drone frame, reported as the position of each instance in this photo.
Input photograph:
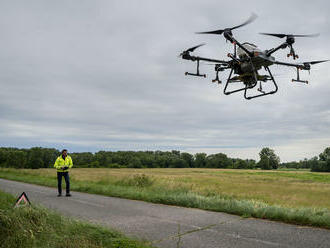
(222, 65)
(255, 82)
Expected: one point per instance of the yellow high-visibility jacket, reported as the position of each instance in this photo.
(60, 163)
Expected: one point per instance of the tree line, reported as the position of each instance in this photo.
(38, 157)
(319, 163)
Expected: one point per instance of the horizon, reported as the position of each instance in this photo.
(257, 158)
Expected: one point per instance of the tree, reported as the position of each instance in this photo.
(101, 158)
(188, 158)
(316, 165)
(325, 154)
(178, 163)
(268, 159)
(176, 153)
(251, 163)
(3, 157)
(219, 160)
(16, 159)
(35, 158)
(240, 164)
(135, 163)
(200, 160)
(323, 164)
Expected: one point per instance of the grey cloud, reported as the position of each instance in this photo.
(105, 75)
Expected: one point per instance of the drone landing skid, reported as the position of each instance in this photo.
(298, 78)
(300, 81)
(247, 87)
(197, 74)
(263, 93)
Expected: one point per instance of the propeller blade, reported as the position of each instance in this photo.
(219, 31)
(276, 35)
(316, 62)
(190, 49)
(291, 35)
(306, 35)
(194, 48)
(251, 19)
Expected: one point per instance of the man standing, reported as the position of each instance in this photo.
(63, 163)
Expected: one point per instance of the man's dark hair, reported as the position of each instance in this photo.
(64, 150)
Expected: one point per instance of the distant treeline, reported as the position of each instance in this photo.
(319, 164)
(38, 157)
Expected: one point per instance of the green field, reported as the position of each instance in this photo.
(34, 226)
(300, 197)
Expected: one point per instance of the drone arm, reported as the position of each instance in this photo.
(300, 66)
(187, 56)
(234, 41)
(282, 46)
(197, 58)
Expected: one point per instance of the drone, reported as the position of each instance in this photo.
(247, 60)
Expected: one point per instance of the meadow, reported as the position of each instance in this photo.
(296, 196)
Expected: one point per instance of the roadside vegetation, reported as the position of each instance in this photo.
(38, 227)
(299, 197)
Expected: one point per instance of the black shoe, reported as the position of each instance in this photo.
(68, 194)
(59, 195)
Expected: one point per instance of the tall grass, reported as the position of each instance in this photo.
(137, 180)
(145, 187)
(38, 227)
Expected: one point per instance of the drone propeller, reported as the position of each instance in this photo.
(191, 49)
(315, 62)
(290, 40)
(307, 65)
(194, 48)
(291, 35)
(220, 31)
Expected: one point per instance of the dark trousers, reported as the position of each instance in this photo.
(59, 181)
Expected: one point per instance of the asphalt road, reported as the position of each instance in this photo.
(170, 226)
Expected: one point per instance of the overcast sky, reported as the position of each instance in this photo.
(105, 75)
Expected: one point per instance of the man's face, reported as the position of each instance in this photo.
(64, 153)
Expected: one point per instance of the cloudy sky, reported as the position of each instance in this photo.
(104, 75)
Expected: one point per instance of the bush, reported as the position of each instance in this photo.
(115, 165)
(321, 166)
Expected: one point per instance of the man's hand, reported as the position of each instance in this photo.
(65, 168)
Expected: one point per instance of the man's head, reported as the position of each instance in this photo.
(64, 152)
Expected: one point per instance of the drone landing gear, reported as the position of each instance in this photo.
(263, 93)
(197, 72)
(230, 80)
(216, 80)
(292, 53)
(298, 78)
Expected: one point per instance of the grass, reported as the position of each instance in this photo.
(38, 227)
(299, 197)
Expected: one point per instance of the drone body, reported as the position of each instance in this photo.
(247, 60)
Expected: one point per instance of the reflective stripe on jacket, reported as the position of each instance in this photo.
(60, 163)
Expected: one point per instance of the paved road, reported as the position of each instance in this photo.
(162, 223)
